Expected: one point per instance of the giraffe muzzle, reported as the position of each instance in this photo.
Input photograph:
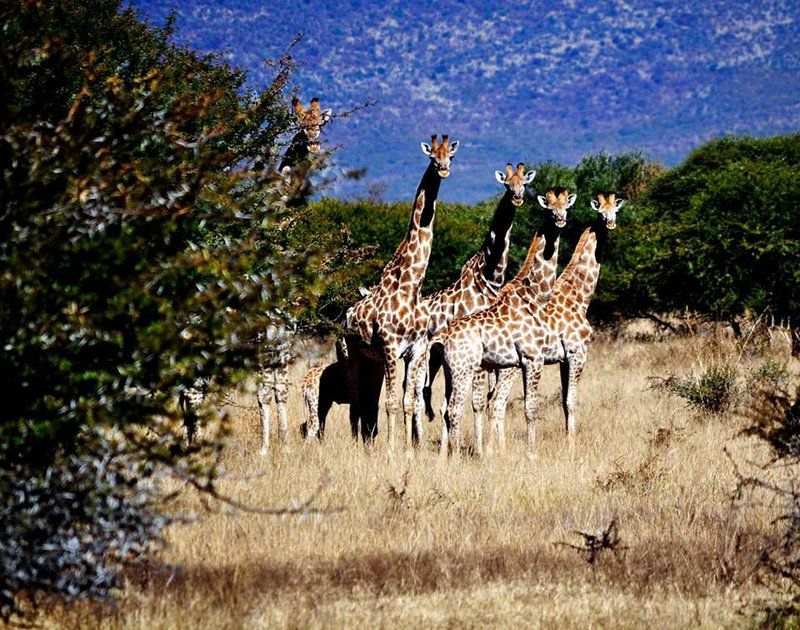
(611, 225)
(444, 173)
(517, 201)
(313, 147)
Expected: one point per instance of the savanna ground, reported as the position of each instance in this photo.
(420, 542)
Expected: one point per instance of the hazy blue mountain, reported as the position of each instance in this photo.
(516, 81)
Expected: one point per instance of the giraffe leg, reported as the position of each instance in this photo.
(390, 374)
(574, 370)
(324, 408)
(311, 398)
(531, 373)
(370, 385)
(281, 388)
(478, 407)
(455, 408)
(448, 393)
(352, 359)
(434, 365)
(414, 368)
(419, 398)
(503, 382)
(262, 395)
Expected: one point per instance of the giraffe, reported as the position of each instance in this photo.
(390, 321)
(565, 315)
(510, 333)
(476, 288)
(323, 385)
(478, 284)
(275, 343)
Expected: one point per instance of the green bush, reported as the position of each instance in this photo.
(144, 240)
(711, 391)
(719, 233)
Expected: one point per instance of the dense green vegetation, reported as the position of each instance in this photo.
(145, 236)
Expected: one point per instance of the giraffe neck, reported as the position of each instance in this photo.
(296, 152)
(430, 184)
(406, 271)
(495, 245)
(538, 274)
(578, 282)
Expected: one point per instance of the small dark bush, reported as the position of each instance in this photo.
(712, 391)
(770, 373)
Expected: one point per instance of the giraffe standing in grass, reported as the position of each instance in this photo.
(511, 333)
(565, 317)
(277, 346)
(478, 284)
(391, 321)
(276, 350)
(566, 312)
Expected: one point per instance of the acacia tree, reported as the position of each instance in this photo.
(144, 238)
(719, 233)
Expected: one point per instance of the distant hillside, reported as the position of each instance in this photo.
(517, 81)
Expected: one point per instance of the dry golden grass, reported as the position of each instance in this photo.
(470, 543)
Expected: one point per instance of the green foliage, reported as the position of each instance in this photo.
(711, 391)
(770, 374)
(719, 233)
(145, 238)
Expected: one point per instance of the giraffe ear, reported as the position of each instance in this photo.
(326, 115)
(453, 148)
(595, 205)
(426, 148)
(529, 176)
(571, 200)
(542, 201)
(500, 176)
(619, 203)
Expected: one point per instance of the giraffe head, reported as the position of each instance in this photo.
(558, 201)
(440, 153)
(515, 181)
(311, 121)
(607, 205)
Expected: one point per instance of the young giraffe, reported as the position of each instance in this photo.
(276, 346)
(477, 286)
(510, 333)
(565, 317)
(388, 323)
(322, 386)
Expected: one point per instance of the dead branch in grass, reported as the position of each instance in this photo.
(595, 544)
